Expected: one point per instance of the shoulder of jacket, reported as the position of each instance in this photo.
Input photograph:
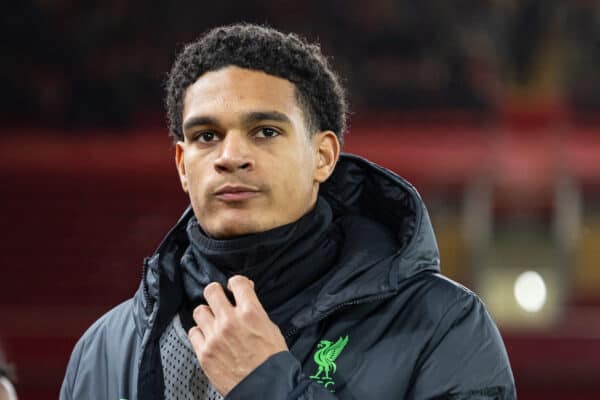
(104, 343)
(452, 287)
(440, 295)
(455, 303)
(448, 305)
(114, 323)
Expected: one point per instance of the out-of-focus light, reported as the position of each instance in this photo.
(530, 291)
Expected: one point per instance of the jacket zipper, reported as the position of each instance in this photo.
(146, 294)
(292, 331)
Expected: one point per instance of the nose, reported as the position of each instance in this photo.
(235, 154)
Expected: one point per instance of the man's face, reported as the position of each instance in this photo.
(247, 160)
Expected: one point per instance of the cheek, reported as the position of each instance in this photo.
(198, 168)
(197, 181)
(295, 186)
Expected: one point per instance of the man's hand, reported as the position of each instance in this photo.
(231, 341)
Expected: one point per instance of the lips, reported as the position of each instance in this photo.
(236, 192)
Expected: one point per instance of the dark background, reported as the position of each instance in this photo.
(490, 107)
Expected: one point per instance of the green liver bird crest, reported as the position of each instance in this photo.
(326, 355)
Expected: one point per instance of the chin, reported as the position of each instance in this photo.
(228, 228)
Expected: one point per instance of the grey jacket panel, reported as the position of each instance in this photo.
(105, 361)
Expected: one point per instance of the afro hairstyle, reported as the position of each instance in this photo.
(317, 87)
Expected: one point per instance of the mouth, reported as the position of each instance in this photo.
(232, 193)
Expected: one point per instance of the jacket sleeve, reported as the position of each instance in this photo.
(466, 358)
(280, 377)
(103, 364)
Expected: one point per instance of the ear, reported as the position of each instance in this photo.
(179, 149)
(327, 147)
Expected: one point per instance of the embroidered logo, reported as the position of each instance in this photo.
(325, 358)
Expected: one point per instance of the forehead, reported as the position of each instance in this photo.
(232, 90)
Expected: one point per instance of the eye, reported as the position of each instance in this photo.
(267, 133)
(206, 137)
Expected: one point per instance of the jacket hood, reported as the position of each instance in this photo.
(359, 188)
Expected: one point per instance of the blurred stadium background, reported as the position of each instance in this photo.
(490, 107)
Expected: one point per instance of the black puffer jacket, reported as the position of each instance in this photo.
(381, 327)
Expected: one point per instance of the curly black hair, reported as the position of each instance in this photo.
(318, 90)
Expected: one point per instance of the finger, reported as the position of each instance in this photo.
(204, 319)
(216, 299)
(197, 338)
(243, 291)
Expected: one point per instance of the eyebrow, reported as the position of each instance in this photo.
(197, 121)
(247, 119)
(258, 116)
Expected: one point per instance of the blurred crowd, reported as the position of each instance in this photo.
(103, 63)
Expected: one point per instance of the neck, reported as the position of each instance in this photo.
(281, 262)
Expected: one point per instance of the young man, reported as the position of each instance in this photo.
(296, 273)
